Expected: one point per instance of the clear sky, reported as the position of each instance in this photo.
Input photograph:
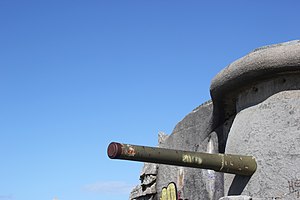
(76, 75)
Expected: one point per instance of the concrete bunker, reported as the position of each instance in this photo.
(254, 110)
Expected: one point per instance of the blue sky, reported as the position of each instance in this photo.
(76, 75)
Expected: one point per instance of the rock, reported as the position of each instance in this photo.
(147, 188)
(138, 193)
(241, 197)
(162, 137)
(149, 169)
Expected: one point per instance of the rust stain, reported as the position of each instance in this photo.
(130, 151)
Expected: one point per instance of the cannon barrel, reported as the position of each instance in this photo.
(227, 163)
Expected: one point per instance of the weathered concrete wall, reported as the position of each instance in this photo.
(261, 93)
(267, 125)
(193, 133)
(255, 110)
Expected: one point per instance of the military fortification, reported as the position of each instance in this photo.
(254, 111)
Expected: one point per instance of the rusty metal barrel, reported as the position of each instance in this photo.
(226, 163)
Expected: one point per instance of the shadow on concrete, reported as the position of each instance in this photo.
(238, 185)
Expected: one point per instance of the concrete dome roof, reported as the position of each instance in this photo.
(262, 63)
